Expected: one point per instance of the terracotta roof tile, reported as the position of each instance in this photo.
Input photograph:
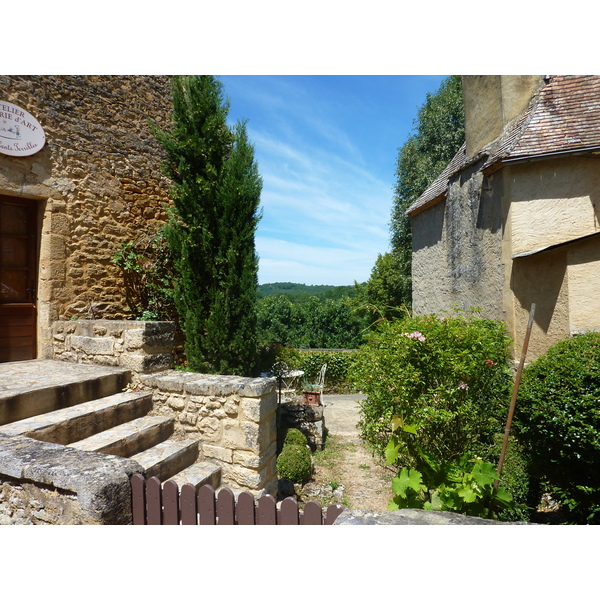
(564, 116)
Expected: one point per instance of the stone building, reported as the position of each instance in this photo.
(513, 219)
(87, 180)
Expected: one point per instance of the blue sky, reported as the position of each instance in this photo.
(326, 148)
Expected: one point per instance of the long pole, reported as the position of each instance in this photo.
(513, 400)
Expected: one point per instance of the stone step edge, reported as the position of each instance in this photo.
(46, 399)
(126, 433)
(65, 415)
(156, 459)
(198, 474)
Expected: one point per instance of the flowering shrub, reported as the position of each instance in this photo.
(448, 377)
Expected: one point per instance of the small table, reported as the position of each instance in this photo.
(290, 381)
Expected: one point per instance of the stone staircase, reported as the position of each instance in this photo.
(86, 408)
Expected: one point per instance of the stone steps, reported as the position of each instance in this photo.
(199, 474)
(167, 458)
(68, 425)
(84, 407)
(30, 389)
(129, 438)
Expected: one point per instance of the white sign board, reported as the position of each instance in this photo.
(20, 133)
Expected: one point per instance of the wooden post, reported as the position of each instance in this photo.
(513, 400)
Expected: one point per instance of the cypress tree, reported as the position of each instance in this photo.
(216, 191)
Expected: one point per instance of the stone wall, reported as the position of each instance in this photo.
(233, 418)
(141, 346)
(308, 419)
(97, 182)
(43, 483)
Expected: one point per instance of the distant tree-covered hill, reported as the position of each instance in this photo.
(300, 292)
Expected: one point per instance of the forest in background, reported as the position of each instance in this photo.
(301, 292)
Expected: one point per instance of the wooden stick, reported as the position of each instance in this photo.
(513, 400)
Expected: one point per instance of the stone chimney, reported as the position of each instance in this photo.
(491, 101)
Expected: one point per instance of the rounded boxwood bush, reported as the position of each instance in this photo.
(294, 436)
(294, 463)
(558, 420)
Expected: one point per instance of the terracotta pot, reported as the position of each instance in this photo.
(311, 398)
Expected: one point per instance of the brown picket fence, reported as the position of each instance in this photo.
(156, 504)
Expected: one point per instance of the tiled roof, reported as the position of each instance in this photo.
(563, 117)
(566, 117)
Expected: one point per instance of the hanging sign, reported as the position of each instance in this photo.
(20, 133)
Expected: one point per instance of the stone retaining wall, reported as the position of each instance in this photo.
(50, 484)
(233, 419)
(141, 346)
(308, 419)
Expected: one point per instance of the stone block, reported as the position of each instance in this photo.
(217, 452)
(259, 409)
(233, 435)
(210, 429)
(90, 345)
(259, 438)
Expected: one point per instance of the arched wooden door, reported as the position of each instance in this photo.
(18, 276)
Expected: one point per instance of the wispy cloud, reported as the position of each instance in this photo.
(326, 195)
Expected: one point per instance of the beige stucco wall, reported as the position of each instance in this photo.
(584, 286)
(553, 203)
(97, 181)
(466, 247)
(457, 250)
(491, 101)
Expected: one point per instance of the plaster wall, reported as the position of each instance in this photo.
(97, 181)
(457, 249)
(584, 286)
(554, 202)
(491, 101)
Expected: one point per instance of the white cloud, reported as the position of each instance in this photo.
(311, 264)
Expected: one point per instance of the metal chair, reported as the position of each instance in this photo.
(321, 381)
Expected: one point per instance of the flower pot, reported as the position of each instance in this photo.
(311, 398)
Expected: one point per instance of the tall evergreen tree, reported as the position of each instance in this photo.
(216, 191)
(440, 132)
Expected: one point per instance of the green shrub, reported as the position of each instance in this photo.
(294, 437)
(448, 377)
(557, 418)
(294, 463)
(518, 480)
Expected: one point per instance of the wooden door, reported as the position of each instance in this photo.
(18, 275)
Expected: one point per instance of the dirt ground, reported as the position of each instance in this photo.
(346, 472)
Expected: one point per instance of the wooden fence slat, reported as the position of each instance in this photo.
(225, 507)
(170, 503)
(266, 511)
(333, 512)
(244, 510)
(206, 505)
(154, 504)
(312, 515)
(138, 499)
(290, 513)
(188, 505)
(153, 501)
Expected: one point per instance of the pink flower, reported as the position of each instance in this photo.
(462, 385)
(415, 335)
(489, 362)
